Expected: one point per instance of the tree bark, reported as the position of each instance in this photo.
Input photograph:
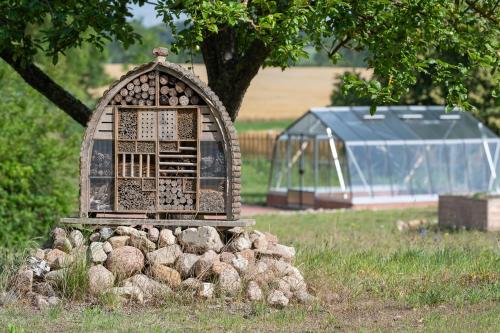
(37, 79)
(229, 70)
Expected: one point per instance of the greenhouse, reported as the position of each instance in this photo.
(343, 156)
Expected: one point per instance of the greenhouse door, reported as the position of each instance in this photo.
(157, 159)
(301, 193)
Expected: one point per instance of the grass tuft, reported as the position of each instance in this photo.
(74, 283)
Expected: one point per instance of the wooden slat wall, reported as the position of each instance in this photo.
(104, 129)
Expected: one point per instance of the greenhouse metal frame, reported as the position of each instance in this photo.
(344, 156)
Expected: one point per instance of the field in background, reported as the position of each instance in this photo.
(275, 94)
(366, 274)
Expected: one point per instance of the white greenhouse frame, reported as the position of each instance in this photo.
(402, 154)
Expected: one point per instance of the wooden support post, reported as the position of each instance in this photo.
(147, 166)
(140, 165)
(132, 165)
(124, 160)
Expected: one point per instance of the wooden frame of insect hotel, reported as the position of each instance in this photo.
(160, 147)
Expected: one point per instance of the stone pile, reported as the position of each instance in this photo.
(141, 264)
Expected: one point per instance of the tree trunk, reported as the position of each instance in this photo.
(37, 79)
(229, 70)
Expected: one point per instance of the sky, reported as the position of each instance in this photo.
(147, 13)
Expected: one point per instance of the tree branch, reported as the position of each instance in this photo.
(481, 11)
(336, 48)
(36, 78)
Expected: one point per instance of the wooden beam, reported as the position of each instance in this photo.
(169, 223)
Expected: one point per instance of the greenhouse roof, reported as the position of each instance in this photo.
(392, 123)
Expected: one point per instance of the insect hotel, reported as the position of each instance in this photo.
(160, 148)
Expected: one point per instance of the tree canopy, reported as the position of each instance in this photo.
(403, 38)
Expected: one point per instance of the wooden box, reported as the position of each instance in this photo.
(470, 213)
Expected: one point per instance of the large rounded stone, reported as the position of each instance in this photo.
(166, 275)
(153, 234)
(52, 255)
(165, 256)
(185, 263)
(149, 287)
(200, 240)
(96, 252)
(100, 279)
(229, 281)
(125, 261)
(277, 298)
(240, 243)
(254, 293)
(76, 238)
(119, 241)
(63, 244)
(204, 263)
(166, 237)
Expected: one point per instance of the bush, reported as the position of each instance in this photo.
(39, 147)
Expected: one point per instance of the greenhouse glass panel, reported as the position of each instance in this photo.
(458, 168)
(380, 172)
(359, 171)
(478, 167)
(383, 124)
(279, 169)
(307, 125)
(418, 172)
(336, 123)
(400, 166)
(437, 155)
(327, 176)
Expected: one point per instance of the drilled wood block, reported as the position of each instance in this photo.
(147, 125)
(168, 125)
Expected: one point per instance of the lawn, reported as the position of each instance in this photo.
(262, 125)
(367, 276)
(254, 181)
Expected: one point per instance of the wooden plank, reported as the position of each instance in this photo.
(207, 118)
(157, 222)
(106, 117)
(211, 136)
(210, 127)
(105, 126)
(103, 135)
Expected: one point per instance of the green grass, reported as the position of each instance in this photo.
(261, 125)
(367, 276)
(254, 181)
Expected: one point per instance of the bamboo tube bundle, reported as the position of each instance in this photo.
(126, 146)
(187, 124)
(168, 147)
(127, 125)
(145, 147)
(149, 184)
(131, 196)
(212, 201)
